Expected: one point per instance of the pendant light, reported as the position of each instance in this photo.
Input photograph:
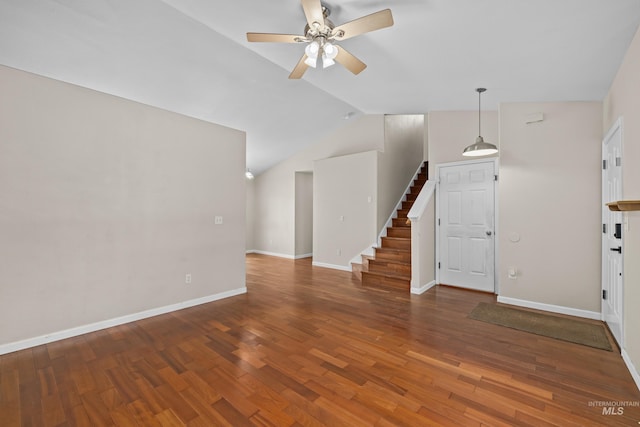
(480, 148)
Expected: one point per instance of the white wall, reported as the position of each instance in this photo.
(549, 197)
(106, 204)
(449, 132)
(402, 156)
(304, 214)
(622, 101)
(423, 227)
(344, 210)
(275, 189)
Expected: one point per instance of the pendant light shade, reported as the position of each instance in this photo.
(480, 147)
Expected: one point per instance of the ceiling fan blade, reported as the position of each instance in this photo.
(274, 38)
(349, 61)
(373, 22)
(299, 70)
(313, 12)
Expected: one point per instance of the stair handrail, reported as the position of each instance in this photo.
(383, 231)
(423, 199)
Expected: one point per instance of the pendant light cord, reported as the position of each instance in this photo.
(479, 109)
(480, 90)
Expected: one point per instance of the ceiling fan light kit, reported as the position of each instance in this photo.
(480, 147)
(321, 35)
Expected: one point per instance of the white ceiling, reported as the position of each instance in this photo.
(192, 57)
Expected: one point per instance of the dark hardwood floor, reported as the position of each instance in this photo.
(308, 346)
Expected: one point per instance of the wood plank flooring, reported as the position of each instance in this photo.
(308, 346)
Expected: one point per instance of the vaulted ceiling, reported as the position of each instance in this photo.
(192, 57)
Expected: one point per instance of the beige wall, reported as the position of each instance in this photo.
(423, 252)
(549, 198)
(449, 132)
(425, 147)
(106, 204)
(344, 210)
(623, 101)
(304, 214)
(400, 139)
(274, 225)
(251, 211)
(402, 156)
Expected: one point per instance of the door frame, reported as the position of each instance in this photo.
(496, 164)
(617, 126)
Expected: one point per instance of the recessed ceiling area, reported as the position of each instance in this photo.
(192, 57)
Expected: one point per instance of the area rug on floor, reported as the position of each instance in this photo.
(561, 328)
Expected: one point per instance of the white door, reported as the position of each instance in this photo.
(466, 207)
(612, 232)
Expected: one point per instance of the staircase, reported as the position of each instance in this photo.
(390, 266)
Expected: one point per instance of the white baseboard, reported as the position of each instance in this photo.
(424, 288)
(92, 327)
(552, 308)
(369, 250)
(250, 251)
(333, 266)
(255, 251)
(631, 367)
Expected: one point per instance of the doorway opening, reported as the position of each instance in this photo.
(303, 215)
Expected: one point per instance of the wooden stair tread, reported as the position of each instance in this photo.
(391, 274)
(388, 261)
(399, 250)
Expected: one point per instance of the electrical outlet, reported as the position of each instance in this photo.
(339, 252)
(187, 278)
(218, 220)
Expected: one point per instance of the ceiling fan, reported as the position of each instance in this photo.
(320, 34)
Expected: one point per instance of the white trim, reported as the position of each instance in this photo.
(332, 266)
(273, 254)
(422, 201)
(92, 327)
(613, 129)
(496, 206)
(424, 288)
(632, 369)
(394, 212)
(368, 251)
(550, 307)
(618, 125)
(466, 162)
(255, 251)
(250, 251)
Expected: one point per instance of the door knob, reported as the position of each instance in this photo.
(618, 249)
(489, 233)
